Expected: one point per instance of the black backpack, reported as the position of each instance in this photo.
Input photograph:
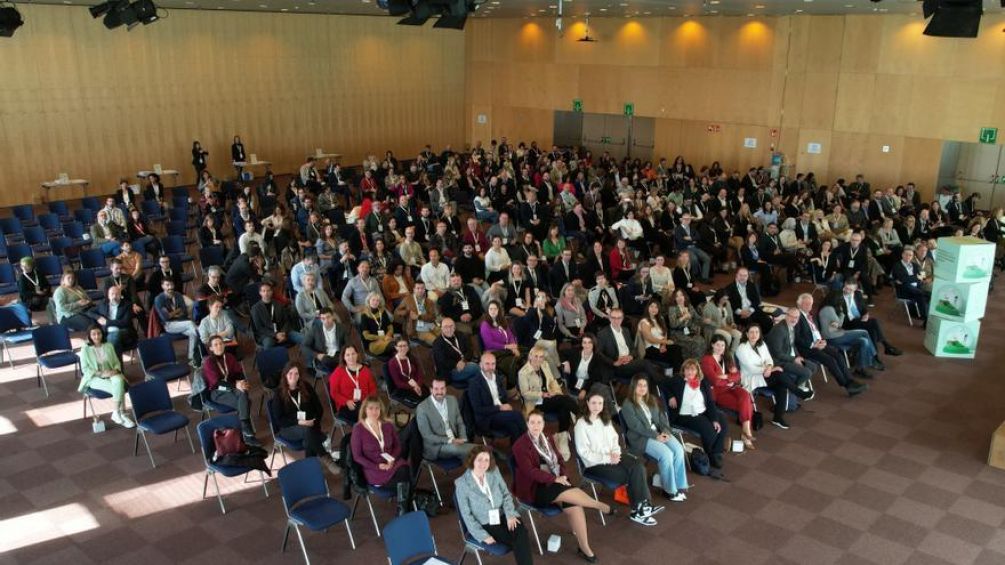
(700, 463)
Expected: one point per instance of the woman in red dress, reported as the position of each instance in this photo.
(721, 371)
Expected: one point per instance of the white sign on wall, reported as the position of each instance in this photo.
(886, 149)
(483, 119)
(814, 148)
(750, 142)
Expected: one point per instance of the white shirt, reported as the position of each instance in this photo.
(692, 403)
(813, 327)
(436, 277)
(331, 342)
(744, 301)
(493, 389)
(113, 310)
(619, 338)
(441, 407)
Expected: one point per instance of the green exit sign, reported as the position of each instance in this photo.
(989, 135)
(577, 105)
(605, 139)
(629, 109)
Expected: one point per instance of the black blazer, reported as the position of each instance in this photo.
(123, 317)
(267, 322)
(777, 341)
(804, 337)
(681, 279)
(558, 278)
(607, 348)
(481, 399)
(676, 391)
(199, 157)
(237, 152)
(314, 339)
(735, 301)
(599, 371)
(445, 357)
(904, 278)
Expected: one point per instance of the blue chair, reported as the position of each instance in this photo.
(75, 231)
(180, 201)
(85, 216)
(53, 350)
(3, 247)
(8, 280)
(179, 191)
(61, 209)
(158, 360)
(177, 264)
(50, 267)
(338, 423)
(95, 259)
(308, 502)
(211, 256)
(447, 465)
(471, 545)
(91, 203)
(205, 431)
(25, 213)
(270, 363)
(409, 539)
(17, 251)
(89, 395)
(51, 223)
(89, 282)
(280, 443)
(175, 245)
(383, 493)
(36, 237)
(12, 229)
(547, 511)
(15, 329)
(154, 414)
(151, 210)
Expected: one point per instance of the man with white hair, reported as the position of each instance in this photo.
(811, 345)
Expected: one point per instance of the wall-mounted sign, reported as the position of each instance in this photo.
(814, 148)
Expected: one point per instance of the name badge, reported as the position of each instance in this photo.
(380, 333)
(537, 334)
(579, 322)
(356, 394)
(465, 306)
(387, 457)
(301, 415)
(380, 227)
(519, 302)
(687, 331)
(851, 264)
(689, 285)
(494, 517)
(505, 241)
(478, 247)
(580, 383)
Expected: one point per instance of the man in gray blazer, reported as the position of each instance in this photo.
(440, 424)
(782, 346)
(323, 341)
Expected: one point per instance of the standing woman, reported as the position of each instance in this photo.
(102, 371)
(647, 432)
(237, 155)
(486, 506)
(692, 407)
(539, 478)
(297, 413)
(719, 369)
(598, 447)
(349, 384)
(377, 449)
(198, 159)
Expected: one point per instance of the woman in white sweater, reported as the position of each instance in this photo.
(598, 448)
(756, 364)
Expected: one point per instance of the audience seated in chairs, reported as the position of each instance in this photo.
(376, 326)
(172, 309)
(692, 407)
(490, 402)
(721, 371)
(648, 434)
(377, 448)
(540, 390)
(273, 323)
(407, 382)
(758, 368)
(323, 340)
(33, 288)
(72, 304)
(349, 384)
(452, 357)
(441, 425)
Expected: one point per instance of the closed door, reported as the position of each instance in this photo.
(974, 167)
(606, 132)
(643, 138)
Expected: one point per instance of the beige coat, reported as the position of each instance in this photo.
(530, 386)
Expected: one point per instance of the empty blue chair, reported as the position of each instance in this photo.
(95, 259)
(179, 213)
(211, 256)
(61, 248)
(12, 229)
(89, 282)
(85, 216)
(409, 539)
(3, 247)
(179, 191)
(180, 201)
(15, 329)
(158, 359)
(178, 264)
(74, 230)
(205, 431)
(472, 545)
(308, 502)
(270, 363)
(155, 414)
(36, 237)
(51, 223)
(61, 209)
(91, 203)
(547, 511)
(25, 213)
(8, 279)
(175, 245)
(280, 443)
(50, 267)
(53, 351)
(151, 210)
(15, 251)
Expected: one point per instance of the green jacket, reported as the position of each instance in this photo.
(90, 366)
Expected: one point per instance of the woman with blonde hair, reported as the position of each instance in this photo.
(376, 325)
(541, 391)
(377, 449)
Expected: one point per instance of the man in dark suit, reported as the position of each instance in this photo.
(806, 232)
(781, 342)
(359, 240)
(563, 272)
(853, 258)
(127, 290)
(746, 302)
(857, 317)
(534, 216)
(906, 278)
(490, 403)
(273, 323)
(115, 316)
(811, 345)
(323, 339)
(858, 189)
(159, 273)
(615, 345)
(771, 250)
(462, 304)
(686, 237)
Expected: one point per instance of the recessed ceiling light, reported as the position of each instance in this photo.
(623, 4)
(603, 9)
(750, 15)
(284, 10)
(714, 2)
(647, 13)
(798, 11)
(263, 5)
(759, 6)
(552, 6)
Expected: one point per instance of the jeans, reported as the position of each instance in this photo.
(859, 339)
(186, 327)
(669, 458)
(703, 259)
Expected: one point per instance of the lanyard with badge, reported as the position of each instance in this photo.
(301, 413)
(379, 434)
(495, 517)
(649, 416)
(357, 393)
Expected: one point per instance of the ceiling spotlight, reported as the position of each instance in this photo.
(10, 20)
(99, 10)
(123, 13)
(453, 14)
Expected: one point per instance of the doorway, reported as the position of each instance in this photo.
(975, 167)
(621, 136)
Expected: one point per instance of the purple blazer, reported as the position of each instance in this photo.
(495, 338)
(366, 452)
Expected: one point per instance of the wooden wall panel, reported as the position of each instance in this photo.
(99, 104)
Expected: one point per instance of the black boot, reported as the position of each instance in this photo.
(248, 434)
(404, 498)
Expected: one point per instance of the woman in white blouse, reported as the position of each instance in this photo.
(599, 451)
(497, 261)
(758, 370)
(628, 227)
(662, 277)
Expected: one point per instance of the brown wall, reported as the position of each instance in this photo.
(851, 83)
(100, 104)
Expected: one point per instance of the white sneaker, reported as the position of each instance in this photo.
(642, 519)
(122, 420)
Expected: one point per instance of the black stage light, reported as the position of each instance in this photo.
(10, 20)
(99, 10)
(419, 14)
(953, 18)
(145, 11)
